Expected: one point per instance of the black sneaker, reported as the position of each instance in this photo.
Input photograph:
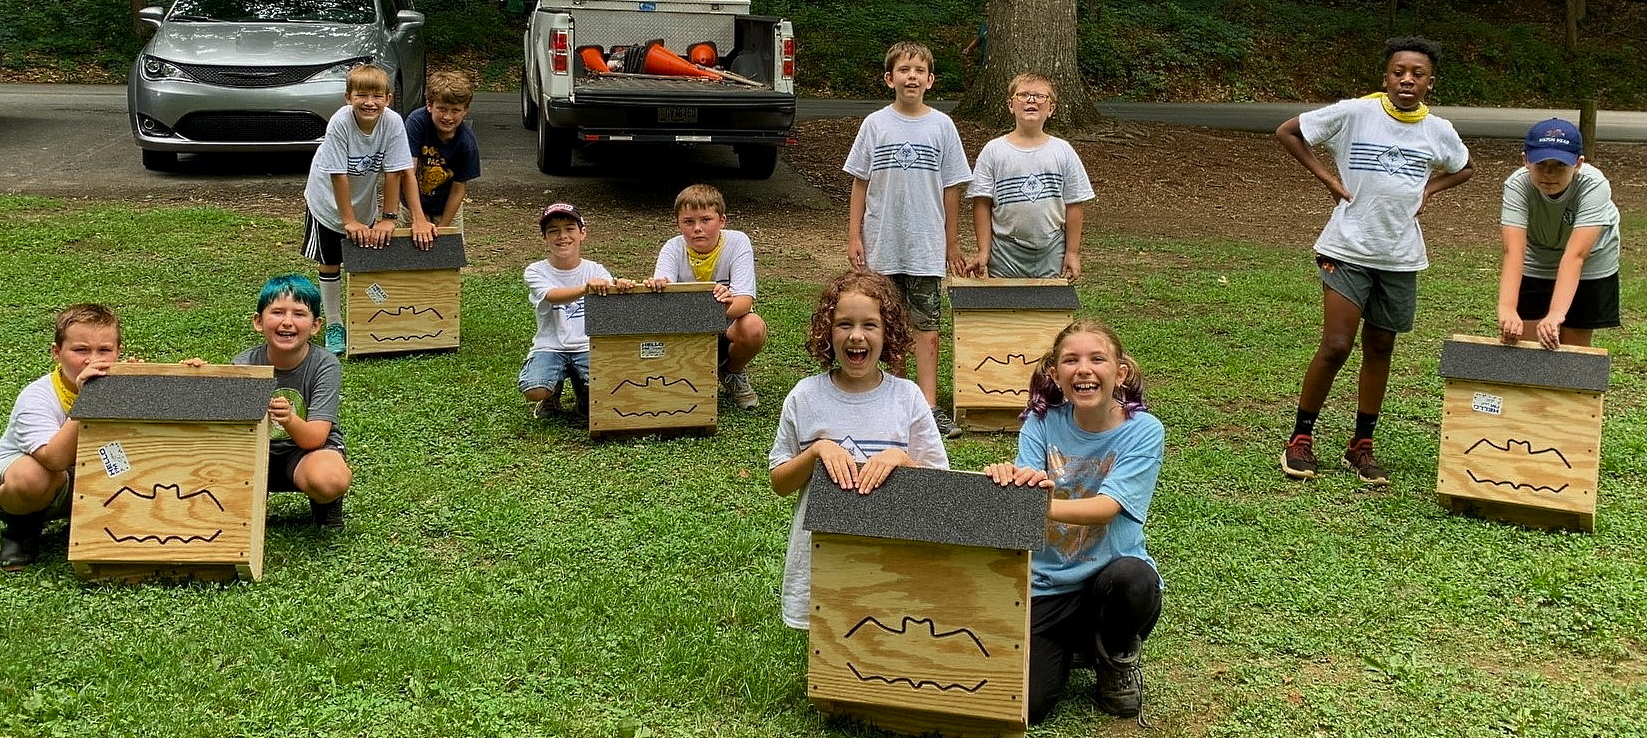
(1298, 460)
(580, 395)
(1120, 689)
(946, 425)
(1359, 459)
(328, 515)
(20, 542)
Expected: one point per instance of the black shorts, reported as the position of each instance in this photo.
(320, 243)
(1595, 302)
(283, 467)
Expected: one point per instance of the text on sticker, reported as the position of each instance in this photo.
(1485, 403)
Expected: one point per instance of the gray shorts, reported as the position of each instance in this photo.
(924, 298)
(60, 504)
(1387, 300)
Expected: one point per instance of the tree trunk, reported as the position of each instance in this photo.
(1575, 13)
(1029, 36)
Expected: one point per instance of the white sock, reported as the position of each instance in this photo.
(331, 297)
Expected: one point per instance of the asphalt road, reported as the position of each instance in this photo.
(74, 140)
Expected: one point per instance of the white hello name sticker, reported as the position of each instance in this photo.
(651, 349)
(377, 294)
(1489, 404)
(114, 459)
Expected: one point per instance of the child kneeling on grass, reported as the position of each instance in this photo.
(38, 448)
(1094, 589)
(860, 421)
(556, 287)
(306, 449)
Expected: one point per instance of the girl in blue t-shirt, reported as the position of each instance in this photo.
(1096, 593)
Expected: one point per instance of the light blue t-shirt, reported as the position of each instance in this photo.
(1122, 462)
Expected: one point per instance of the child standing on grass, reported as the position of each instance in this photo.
(908, 169)
(1392, 156)
(38, 448)
(1027, 190)
(1559, 281)
(1095, 591)
(556, 287)
(364, 140)
(447, 155)
(858, 420)
(708, 251)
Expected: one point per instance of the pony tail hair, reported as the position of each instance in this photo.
(1130, 391)
(1043, 390)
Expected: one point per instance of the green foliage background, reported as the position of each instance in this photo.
(1500, 53)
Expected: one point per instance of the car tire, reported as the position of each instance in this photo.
(159, 161)
(528, 107)
(757, 161)
(554, 149)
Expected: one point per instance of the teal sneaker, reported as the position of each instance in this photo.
(336, 339)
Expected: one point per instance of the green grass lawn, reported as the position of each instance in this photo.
(503, 576)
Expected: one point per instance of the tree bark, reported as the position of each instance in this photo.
(1575, 13)
(1029, 36)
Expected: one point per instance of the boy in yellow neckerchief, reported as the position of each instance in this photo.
(37, 449)
(707, 251)
(1392, 155)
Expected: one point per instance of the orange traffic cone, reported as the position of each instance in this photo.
(593, 60)
(659, 60)
(703, 54)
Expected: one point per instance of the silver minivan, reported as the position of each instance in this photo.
(262, 75)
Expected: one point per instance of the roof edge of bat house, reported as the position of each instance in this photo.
(171, 473)
(920, 601)
(1521, 431)
(403, 299)
(1001, 328)
(653, 361)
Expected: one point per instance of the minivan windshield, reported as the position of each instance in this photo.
(273, 11)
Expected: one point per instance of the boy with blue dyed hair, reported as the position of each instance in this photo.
(306, 449)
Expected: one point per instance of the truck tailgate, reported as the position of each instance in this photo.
(619, 91)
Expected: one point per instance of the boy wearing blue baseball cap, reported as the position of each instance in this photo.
(1560, 230)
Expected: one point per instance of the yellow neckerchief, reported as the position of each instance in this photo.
(703, 265)
(1405, 116)
(65, 396)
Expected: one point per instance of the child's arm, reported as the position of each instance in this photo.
(57, 454)
(1291, 136)
(454, 203)
(357, 231)
(423, 230)
(1579, 243)
(983, 224)
(1509, 283)
(879, 466)
(1446, 182)
(309, 435)
(1075, 216)
(952, 229)
(788, 477)
(856, 206)
(383, 228)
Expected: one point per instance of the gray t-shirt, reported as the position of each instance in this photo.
(362, 156)
(1549, 222)
(908, 162)
(315, 388)
(893, 415)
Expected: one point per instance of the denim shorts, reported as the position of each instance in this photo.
(547, 369)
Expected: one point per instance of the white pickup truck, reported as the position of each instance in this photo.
(570, 101)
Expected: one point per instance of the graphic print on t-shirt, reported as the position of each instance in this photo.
(1029, 188)
(861, 449)
(904, 155)
(1392, 160)
(432, 172)
(360, 166)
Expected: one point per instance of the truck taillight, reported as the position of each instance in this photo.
(560, 52)
(789, 58)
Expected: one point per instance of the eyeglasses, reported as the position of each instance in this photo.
(1032, 97)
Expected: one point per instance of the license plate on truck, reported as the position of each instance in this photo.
(677, 115)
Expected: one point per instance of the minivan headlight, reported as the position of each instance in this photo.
(340, 70)
(156, 68)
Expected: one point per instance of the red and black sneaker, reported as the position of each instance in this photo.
(1298, 459)
(1359, 459)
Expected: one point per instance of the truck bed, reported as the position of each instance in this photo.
(628, 91)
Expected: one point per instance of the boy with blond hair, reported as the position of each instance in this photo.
(447, 155)
(1027, 192)
(908, 169)
(37, 450)
(365, 140)
(707, 251)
